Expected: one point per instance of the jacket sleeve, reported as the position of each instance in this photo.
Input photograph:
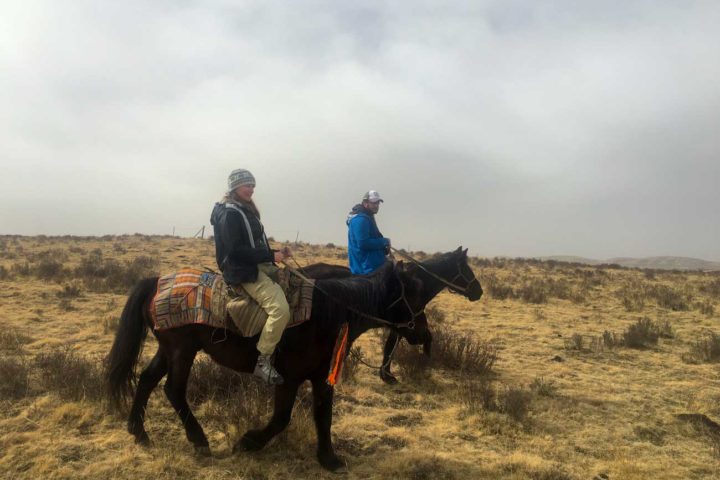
(360, 227)
(237, 241)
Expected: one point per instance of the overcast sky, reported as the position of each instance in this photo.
(518, 128)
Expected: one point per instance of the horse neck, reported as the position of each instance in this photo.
(444, 268)
(364, 295)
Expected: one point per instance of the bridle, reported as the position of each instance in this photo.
(450, 284)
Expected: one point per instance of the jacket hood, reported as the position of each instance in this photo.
(357, 210)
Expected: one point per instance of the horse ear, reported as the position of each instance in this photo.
(459, 248)
(465, 252)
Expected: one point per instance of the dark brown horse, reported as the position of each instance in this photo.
(390, 295)
(449, 269)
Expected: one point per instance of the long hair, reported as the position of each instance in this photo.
(230, 197)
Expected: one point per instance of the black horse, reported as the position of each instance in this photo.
(304, 353)
(445, 270)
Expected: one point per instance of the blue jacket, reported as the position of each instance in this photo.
(366, 245)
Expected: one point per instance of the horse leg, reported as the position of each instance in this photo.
(175, 390)
(322, 413)
(390, 345)
(254, 440)
(149, 379)
(427, 344)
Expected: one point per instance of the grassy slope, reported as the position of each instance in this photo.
(613, 410)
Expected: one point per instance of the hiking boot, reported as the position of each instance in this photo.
(265, 370)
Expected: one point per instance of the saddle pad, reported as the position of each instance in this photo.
(248, 317)
(196, 296)
(184, 297)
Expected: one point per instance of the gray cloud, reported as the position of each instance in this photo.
(521, 129)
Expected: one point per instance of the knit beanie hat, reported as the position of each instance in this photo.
(240, 177)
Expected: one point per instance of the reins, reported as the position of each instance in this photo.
(450, 284)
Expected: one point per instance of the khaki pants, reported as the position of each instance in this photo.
(271, 298)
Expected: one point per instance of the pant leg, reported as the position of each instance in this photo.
(271, 298)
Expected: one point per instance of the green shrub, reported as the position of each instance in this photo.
(641, 334)
(49, 269)
(670, 298)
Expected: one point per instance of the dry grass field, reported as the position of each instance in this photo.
(600, 373)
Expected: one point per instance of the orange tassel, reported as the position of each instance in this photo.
(338, 356)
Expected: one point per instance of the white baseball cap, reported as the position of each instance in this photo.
(372, 196)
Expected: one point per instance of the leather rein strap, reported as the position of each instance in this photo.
(458, 288)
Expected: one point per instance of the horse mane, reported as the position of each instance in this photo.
(440, 259)
(366, 293)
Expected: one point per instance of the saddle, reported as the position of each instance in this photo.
(195, 296)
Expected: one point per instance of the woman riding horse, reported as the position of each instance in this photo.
(245, 259)
(389, 297)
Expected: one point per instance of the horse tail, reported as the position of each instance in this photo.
(125, 352)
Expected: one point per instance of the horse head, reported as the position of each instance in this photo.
(447, 270)
(465, 277)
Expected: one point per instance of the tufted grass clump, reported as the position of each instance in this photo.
(14, 377)
(71, 375)
(12, 341)
(103, 274)
(462, 351)
(543, 387)
(642, 334)
(230, 400)
(705, 349)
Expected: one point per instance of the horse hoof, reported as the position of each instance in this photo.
(332, 463)
(249, 442)
(388, 377)
(203, 451)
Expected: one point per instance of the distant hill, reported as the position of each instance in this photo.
(660, 263)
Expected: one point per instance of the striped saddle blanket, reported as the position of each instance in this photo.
(196, 296)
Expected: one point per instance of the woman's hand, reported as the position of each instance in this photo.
(281, 255)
